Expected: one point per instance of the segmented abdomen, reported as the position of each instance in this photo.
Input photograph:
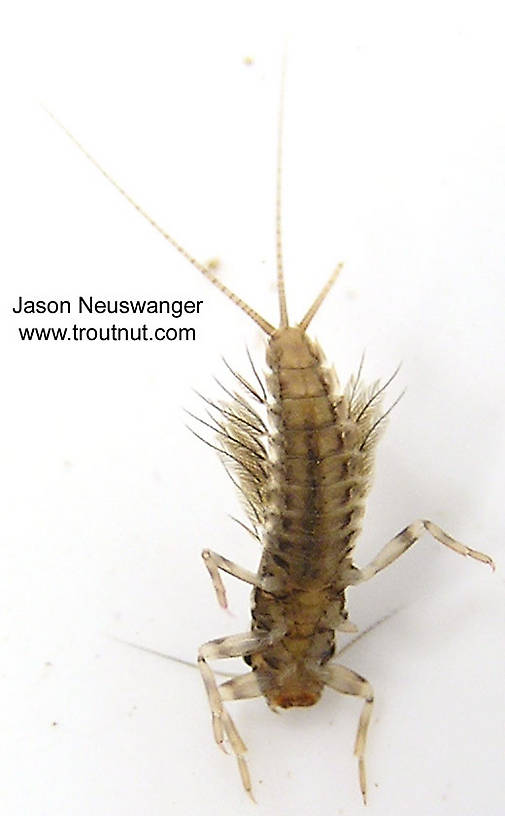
(305, 495)
(318, 477)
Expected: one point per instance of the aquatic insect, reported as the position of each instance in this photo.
(302, 459)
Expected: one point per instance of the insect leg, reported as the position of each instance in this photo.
(222, 724)
(242, 687)
(347, 681)
(401, 543)
(215, 562)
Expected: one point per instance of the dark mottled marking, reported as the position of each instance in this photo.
(280, 561)
(327, 655)
(271, 661)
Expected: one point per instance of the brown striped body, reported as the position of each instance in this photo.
(318, 479)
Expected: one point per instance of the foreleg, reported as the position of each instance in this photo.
(239, 688)
(347, 681)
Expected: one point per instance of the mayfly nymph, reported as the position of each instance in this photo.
(304, 474)
(305, 491)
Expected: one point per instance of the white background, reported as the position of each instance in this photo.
(394, 163)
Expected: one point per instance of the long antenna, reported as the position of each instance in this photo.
(303, 324)
(260, 321)
(281, 289)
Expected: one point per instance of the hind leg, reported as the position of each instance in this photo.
(347, 681)
(401, 543)
(215, 562)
